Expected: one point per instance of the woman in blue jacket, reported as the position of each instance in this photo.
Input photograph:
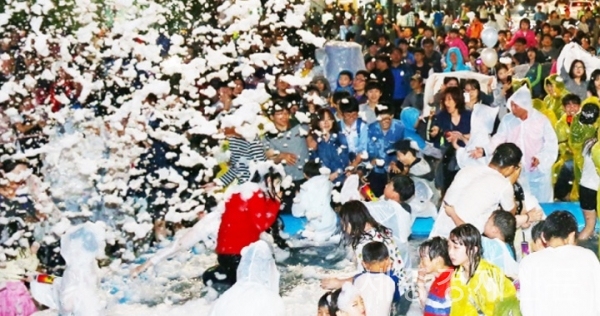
(329, 146)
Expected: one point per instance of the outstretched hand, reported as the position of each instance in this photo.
(139, 269)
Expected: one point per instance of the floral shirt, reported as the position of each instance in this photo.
(397, 263)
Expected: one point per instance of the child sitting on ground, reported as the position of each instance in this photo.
(377, 286)
(435, 262)
(314, 202)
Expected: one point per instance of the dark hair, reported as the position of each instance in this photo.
(427, 41)
(384, 108)
(329, 301)
(346, 73)
(372, 84)
(572, 69)
(270, 176)
(403, 146)
(571, 98)
(311, 169)
(475, 85)
(364, 73)
(321, 114)
(539, 57)
(375, 251)
(453, 31)
(521, 40)
(448, 79)
(338, 95)
(348, 105)
(457, 96)
(559, 224)
(536, 230)
(278, 106)
(589, 113)
(356, 215)
(525, 20)
(506, 155)
(592, 85)
(436, 247)
(9, 165)
(467, 235)
(404, 186)
(507, 225)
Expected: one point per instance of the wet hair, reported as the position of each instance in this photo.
(571, 98)
(384, 108)
(329, 301)
(312, 169)
(321, 115)
(467, 235)
(572, 69)
(506, 155)
(536, 230)
(356, 215)
(404, 186)
(436, 247)
(457, 96)
(348, 105)
(507, 225)
(559, 224)
(375, 251)
(589, 113)
(592, 85)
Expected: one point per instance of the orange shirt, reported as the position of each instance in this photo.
(476, 29)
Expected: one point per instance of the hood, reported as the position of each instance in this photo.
(522, 98)
(409, 118)
(518, 83)
(258, 266)
(459, 57)
(557, 82)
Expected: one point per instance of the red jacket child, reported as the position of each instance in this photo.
(248, 213)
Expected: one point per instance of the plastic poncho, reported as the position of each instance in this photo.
(483, 118)
(536, 138)
(460, 63)
(486, 290)
(314, 203)
(543, 108)
(410, 117)
(256, 292)
(571, 138)
(554, 98)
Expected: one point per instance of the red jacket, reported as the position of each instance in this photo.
(244, 220)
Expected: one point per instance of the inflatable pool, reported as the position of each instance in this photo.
(571, 207)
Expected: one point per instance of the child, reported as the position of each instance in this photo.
(345, 82)
(498, 242)
(435, 261)
(377, 286)
(314, 203)
(328, 303)
(477, 285)
(536, 237)
(349, 302)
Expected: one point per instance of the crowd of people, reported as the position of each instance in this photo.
(92, 132)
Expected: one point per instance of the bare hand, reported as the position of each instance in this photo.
(535, 162)
(449, 209)
(434, 131)
(394, 169)
(476, 153)
(333, 176)
(289, 158)
(331, 284)
(514, 176)
(139, 269)
(535, 215)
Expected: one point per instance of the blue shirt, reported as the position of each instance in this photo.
(333, 154)
(380, 144)
(401, 84)
(438, 17)
(356, 136)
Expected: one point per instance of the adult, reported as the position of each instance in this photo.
(549, 277)
(533, 133)
(287, 147)
(576, 79)
(478, 190)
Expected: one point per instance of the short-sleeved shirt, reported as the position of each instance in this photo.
(378, 291)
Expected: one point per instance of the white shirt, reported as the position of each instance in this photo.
(393, 216)
(589, 175)
(560, 281)
(377, 291)
(476, 192)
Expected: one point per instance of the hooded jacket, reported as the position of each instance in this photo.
(554, 100)
(327, 91)
(460, 64)
(536, 139)
(248, 213)
(256, 292)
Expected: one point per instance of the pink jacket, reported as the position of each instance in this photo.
(528, 35)
(458, 43)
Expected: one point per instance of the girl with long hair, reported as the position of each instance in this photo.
(328, 145)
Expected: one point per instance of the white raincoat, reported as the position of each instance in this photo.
(483, 118)
(256, 292)
(314, 203)
(536, 138)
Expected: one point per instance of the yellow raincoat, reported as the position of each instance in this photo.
(483, 293)
(571, 139)
(556, 92)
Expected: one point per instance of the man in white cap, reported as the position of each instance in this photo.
(532, 132)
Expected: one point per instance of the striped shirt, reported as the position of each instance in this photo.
(438, 300)
(242, 153)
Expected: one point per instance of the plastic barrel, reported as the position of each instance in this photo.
(571, 207)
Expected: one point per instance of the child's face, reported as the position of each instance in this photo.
(389, 193)
(323, 311)
(572, 108)
(427, 265)
(344, 81)
(357, 309)
(458, 253)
